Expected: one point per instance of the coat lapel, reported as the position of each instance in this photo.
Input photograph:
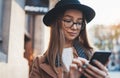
(48, 70)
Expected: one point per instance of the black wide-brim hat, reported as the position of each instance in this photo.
(63, 5)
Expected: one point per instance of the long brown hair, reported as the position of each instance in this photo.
(83, 39)
(57, 41)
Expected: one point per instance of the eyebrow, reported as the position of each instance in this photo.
(72, 17)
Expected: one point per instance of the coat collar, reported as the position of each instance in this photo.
(48, 70)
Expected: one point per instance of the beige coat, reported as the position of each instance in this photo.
(42, 70)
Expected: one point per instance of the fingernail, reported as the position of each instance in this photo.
(93, 60)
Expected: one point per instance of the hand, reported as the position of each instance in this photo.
(76, 67)
(94, 72)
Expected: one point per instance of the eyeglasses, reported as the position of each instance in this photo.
(70, 23)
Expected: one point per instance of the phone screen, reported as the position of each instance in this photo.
(101, 56)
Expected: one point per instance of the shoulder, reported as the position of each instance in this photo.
(39, 59)
(36, 69)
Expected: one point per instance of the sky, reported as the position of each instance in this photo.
(107, 11)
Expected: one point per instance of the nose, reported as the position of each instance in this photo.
(74, 26)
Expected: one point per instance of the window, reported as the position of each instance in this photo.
(5, 9)
(2, 54)
(1, 5)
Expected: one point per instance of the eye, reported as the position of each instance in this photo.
(79, 23)
(67, 20)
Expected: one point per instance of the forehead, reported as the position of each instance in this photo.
(74, 13)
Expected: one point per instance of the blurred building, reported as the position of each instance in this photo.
(107, 38)
(22, 36)
(114, 64)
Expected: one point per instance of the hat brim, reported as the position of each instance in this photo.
(50, 16)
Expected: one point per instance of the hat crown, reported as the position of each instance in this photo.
(63, 5)
(66, 2)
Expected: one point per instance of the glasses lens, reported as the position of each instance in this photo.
(79, 24)
(67, 23)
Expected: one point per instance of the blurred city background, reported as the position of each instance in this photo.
(23, 35)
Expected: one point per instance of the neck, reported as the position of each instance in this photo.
(68, 44)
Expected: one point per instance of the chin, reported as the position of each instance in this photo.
(71, 38)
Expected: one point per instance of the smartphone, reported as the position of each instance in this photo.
(101, 56)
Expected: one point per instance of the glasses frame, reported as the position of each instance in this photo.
(72, 24)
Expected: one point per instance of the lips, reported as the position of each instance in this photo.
(72, 33)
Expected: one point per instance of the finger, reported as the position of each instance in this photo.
(73, 67)
(77, 62)
(86, 74)
(96, 70)
(92, 73)
(84, 61)
(74, 72)
(100, 65)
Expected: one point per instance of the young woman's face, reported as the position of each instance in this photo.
(72, 23)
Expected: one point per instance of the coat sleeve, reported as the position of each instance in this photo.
(35, 73)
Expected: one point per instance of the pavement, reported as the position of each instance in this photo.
(115, 74)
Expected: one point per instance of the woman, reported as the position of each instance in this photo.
(69, 49)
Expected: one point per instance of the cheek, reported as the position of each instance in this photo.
(78, 34)
(64, 32)
(68, 35)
